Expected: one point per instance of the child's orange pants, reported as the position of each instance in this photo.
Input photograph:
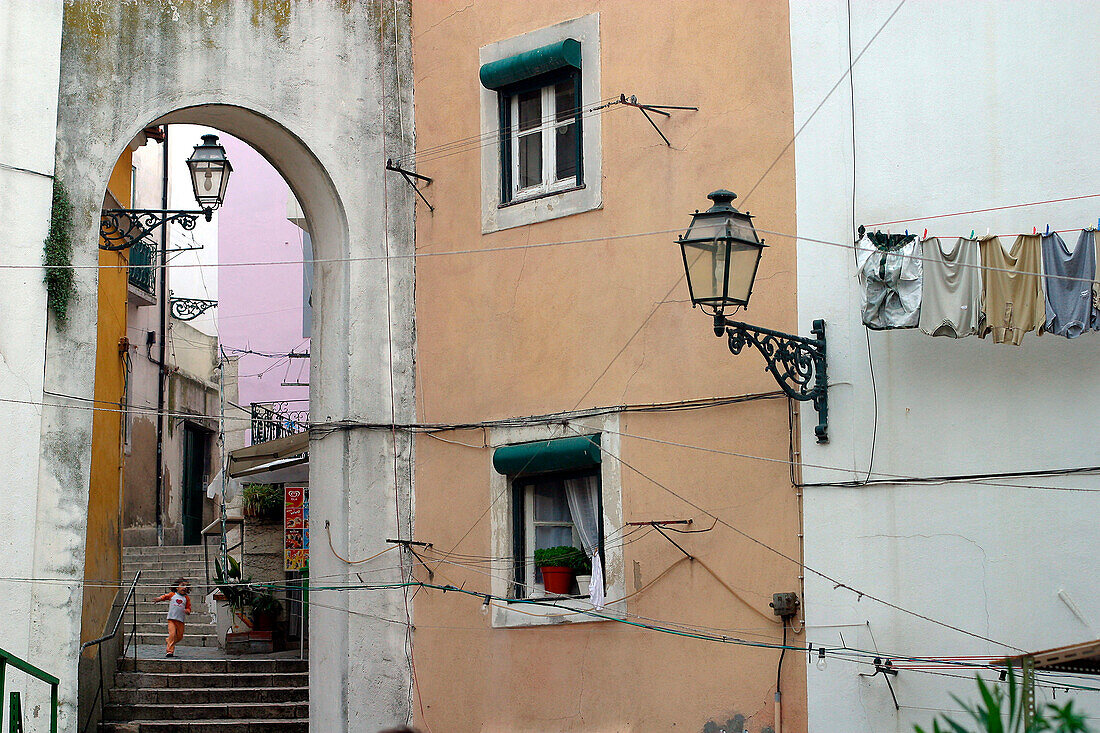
(175, 633)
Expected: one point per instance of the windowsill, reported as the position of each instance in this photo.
(552, 611)
(537, 196)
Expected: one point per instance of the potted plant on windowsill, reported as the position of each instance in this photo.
(583, 573)
(556, 564)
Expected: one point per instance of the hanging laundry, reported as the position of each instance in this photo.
(1069, 277)
(952, 295)
(890, 273)
(1094, 242)
(1012, 293)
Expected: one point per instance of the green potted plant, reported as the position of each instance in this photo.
(556, 564)
(266, 609)
(582, 571)
(262, 501)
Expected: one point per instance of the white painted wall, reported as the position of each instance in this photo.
(958, 106)
(30, 38)
(185, 278)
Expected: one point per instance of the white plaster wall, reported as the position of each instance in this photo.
(261, 75)
(958, 106)
(186, 279)
(30, 38)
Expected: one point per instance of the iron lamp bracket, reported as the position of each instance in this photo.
(188, 309)
(796, 362)
(121, 228)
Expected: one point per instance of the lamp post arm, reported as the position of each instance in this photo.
(798, 363)
(120, 228)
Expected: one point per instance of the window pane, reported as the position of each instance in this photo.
(565, 103)
(530, 109)
(550, 503)
(565, 151)
(553, 537)
(530, 160)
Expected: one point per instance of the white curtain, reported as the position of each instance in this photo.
(584, 504)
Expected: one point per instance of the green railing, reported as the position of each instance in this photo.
(15, 712)
(142, 258)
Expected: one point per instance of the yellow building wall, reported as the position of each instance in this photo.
(519, 331)
(103, 558)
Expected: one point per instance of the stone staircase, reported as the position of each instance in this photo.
(199, 690)
(160, 567)
(209, 696)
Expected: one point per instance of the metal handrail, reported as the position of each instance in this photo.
(130, 595)
(7, 658)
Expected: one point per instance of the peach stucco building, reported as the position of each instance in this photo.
(595, 330)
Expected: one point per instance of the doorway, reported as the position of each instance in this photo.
(195, 452)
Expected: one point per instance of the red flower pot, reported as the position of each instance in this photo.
(557, 580)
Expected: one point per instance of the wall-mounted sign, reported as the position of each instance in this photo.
(296, 528)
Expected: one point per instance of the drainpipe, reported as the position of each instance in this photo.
(162, 302)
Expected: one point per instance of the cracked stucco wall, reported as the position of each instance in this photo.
(312, 86)
(942, 125)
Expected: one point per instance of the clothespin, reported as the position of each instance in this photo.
(1033, 231)
(1048, 230)
(972, 231)
(906, 232)
(925, 234)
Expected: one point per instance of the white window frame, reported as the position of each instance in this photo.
(530, 523)
(520, 612)
(567, 199)
(550, 183)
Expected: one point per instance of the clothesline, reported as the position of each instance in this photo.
(991, 208)
(977, 287)
(975, 235)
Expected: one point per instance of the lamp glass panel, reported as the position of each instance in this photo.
(707, 226)
(743, 261)
(207, 177)
(741, 228)
(706, 269)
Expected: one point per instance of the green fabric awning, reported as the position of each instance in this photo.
(548, 455)
(559, 55)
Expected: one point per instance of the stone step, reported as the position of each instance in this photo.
(208, 711)
(188, 639)
(156, 570)
(197, 607)
(160, 549)
(207, 695)
(207, 726)
(159, 616)
(161, 627)
(213, 666)
(151, 680)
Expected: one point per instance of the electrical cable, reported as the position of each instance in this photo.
(866, 331)
(824, 576)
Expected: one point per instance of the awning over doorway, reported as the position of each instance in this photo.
(243, 460)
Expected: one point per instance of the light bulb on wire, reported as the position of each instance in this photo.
(821, 663)
(485, 607)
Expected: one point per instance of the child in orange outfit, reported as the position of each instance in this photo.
(179, 605)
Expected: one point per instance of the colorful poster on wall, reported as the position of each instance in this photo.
(296, 528)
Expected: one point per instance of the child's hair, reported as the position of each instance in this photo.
(180, 581)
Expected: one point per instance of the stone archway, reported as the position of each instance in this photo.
(324, 109)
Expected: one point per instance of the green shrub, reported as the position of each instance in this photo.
(1000, 713)
(562, 556)
(264, 501)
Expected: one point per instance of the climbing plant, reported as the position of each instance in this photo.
(57, 255)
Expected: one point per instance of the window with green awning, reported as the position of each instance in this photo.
(563, 454)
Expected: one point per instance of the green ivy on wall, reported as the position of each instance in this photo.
(57, 255)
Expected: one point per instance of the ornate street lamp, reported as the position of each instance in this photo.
(721, 253)
(210, 169)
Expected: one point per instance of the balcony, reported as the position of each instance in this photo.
(272, 420)
(143, 273)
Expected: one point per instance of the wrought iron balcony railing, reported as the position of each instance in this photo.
(142, 260)
(272, 420)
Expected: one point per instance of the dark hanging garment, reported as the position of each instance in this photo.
(889, 269)
(1069, 276)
